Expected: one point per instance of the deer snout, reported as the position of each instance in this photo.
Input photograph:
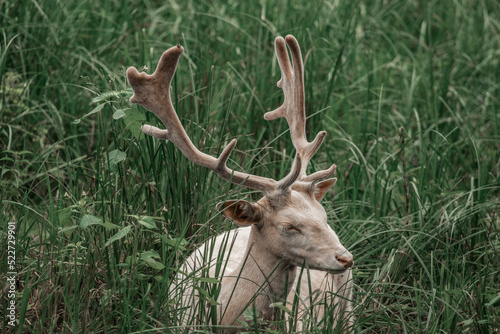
(345, 261)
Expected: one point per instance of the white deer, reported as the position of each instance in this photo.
(281, 234)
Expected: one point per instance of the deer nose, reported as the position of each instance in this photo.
(346, 262)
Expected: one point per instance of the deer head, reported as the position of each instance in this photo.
(288, 221)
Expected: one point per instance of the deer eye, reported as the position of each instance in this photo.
(290, 228)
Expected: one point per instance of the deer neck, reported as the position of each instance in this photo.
(273, 273)
(260, 280)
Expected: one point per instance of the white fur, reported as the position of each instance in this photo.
(313, 283)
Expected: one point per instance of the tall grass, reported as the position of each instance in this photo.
(407, 91)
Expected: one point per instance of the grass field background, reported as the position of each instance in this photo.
(408, 92)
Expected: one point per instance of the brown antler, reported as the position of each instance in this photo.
(153, 93)
(293, 108)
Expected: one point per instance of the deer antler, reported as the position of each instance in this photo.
(153, 93)
(293, 108)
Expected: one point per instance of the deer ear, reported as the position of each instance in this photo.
(322, 187)
(242, 213)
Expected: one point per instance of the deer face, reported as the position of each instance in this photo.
(293, 227)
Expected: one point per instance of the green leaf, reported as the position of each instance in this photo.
(495, 301)
(148, 222)
(174, 242)
(130, 260)
(120, 113)
(67, 229)
(155, 264)
(116, 156)
(150, 254)
(467, 322)
(106, 95)
(120, 234)
(88, 220)
(150, 257)
(134, 119)
(93, 111)
(96, 109)
(143, 277)
(212, 280)
(24, 152)
(109, 226)
(65, 217)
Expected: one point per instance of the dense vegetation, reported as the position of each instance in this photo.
(408, 92)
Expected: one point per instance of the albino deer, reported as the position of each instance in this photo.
(282, 233)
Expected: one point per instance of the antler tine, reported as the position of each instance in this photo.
(293, 108)
(153, 93)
